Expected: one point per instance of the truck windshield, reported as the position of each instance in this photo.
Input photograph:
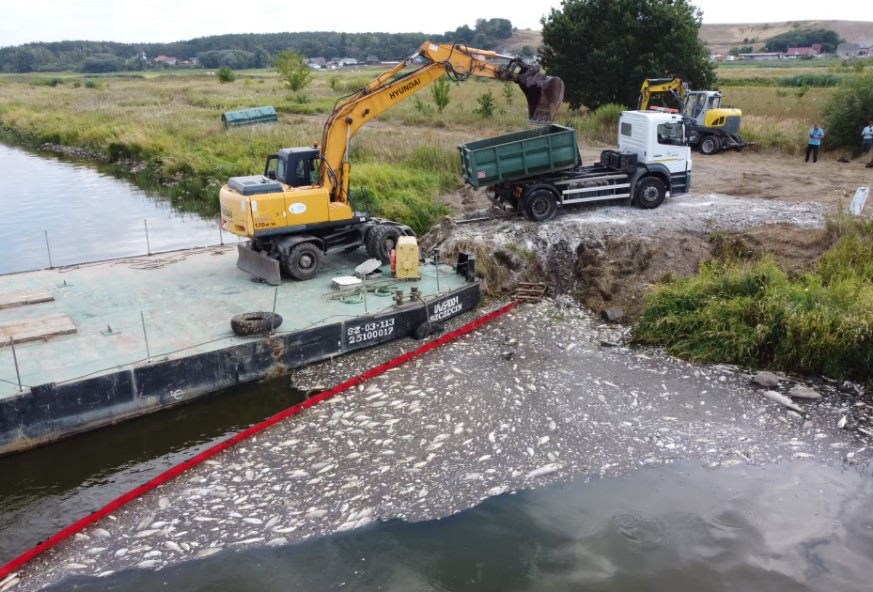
(670, 133)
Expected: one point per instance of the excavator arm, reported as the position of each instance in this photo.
(676, 87)
(544, 95)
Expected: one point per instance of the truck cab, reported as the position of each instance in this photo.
(660, 141)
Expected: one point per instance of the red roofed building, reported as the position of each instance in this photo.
(802, 52)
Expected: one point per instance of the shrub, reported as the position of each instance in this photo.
(296, 74)
(756, 315)
(601, 124)
(440, 93)
(848, 110)
(487, 105)
(226, 74)
(422, 107)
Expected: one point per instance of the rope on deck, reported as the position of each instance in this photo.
(180, 468)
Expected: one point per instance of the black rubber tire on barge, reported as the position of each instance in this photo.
(254, 323)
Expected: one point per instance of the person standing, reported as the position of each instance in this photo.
(867, 138)
(815, 136)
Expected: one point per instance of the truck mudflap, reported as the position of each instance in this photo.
(258, 264)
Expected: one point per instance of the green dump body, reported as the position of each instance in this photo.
(249, 116)
(519, 155)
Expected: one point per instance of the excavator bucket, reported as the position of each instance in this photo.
(258, 264)
(544, 94)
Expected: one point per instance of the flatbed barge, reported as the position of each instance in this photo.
(90, 345)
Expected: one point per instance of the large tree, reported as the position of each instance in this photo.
(604, 49)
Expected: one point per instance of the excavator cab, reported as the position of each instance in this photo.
(294, 167)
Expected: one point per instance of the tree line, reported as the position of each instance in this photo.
(245, 50)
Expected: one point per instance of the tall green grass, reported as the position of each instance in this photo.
(820, 322)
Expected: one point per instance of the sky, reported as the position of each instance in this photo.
(25, 21)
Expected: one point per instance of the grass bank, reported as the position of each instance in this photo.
(754, 314)
(166, 131)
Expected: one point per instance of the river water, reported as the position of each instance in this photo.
(85, 214)
(677, 528)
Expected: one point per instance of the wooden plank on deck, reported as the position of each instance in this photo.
(37, 328)
(24, 297)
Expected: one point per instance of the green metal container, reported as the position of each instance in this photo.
(519, 155)
(249, 116)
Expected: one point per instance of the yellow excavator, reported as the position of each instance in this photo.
(711, 127)
(298, 210)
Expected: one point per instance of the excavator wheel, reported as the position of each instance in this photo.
(303, 261)
(381, 240)
(710, 145)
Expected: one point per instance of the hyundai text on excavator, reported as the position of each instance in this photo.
(711, 127)
(298, 210)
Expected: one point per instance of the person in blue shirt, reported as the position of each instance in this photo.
(867, 138)
(815, 136)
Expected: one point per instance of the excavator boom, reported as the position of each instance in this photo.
(544, 95)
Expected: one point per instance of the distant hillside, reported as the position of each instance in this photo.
(721, 38)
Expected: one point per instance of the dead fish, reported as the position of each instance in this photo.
(842, 422)
(544, 470)
(164, 503)
(146, 533)
(782, 400)
(145, 522)
(316, 514)
(207, 552)
(172, 546)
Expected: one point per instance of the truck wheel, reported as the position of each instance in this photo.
(540, 205)
(381, 240)
(302, 261)
(710, 145)
(650, 193)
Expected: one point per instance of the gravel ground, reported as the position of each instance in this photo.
(685, 213)
(531, 399)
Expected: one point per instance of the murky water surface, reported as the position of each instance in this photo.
(677, 528)
(85, 214)
(45, 489)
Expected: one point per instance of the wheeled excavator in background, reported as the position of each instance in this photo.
(299, 210)
(711, 127)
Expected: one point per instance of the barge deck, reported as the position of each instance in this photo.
(99, 343)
